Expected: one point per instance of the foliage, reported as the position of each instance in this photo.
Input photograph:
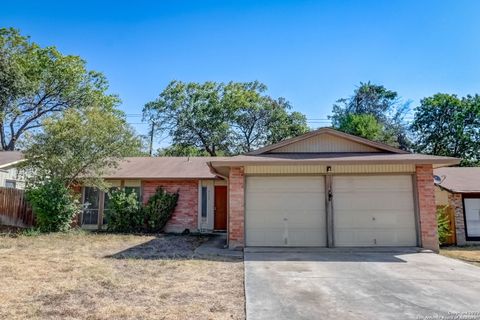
(362, 125)
(446, 125)
(443, 225)
(53, 204)
(159, 209)
(37, 82)
(377, 101)
(178, 150)
(79, 144)
(222, 118)
(31, 232)
(124, 212)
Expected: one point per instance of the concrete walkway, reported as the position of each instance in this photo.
(216, 247)
(359, 284)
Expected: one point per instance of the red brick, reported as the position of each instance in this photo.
(185, 215)
(427, 207)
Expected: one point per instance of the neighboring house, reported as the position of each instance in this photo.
(9, 177)
(324, 188)
(458, 189)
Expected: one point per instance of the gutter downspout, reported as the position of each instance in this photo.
(215, 172)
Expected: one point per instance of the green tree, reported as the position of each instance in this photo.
(446, 125)
(178, 150)
(79, 144)
(377, 101)
(222, 118)
(193, 114)
(37, 82)
(363, 125)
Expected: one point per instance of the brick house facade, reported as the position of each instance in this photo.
(185, 215)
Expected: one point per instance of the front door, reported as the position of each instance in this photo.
(220, 208)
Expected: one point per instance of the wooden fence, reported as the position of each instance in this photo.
(14, 209)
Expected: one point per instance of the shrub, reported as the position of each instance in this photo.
(124, 212)
(443, 225)
(159, 209)
(54, 205)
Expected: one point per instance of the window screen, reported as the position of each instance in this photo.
(204, 202)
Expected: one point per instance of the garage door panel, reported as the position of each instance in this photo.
(382, 184)
(364, 219)
(374, 211)
(373, 201)
(285, 211)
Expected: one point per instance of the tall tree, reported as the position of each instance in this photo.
(79, 144)
(447, 125)
(259, 119)
(377, 101)
(37, 82)
(193, 113)
(222, 118)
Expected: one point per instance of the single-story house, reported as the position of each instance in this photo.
(9, 177)
(324, 188)
(458, 190)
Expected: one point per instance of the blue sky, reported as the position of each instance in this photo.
(310, 52)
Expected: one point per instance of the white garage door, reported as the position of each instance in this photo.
(285, 211)
(373, 211)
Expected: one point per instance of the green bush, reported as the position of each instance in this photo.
(54, 205)
(443, 225)
(159, 209)
(124, 212)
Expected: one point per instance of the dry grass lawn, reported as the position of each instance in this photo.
(469, 254)
(103, 276)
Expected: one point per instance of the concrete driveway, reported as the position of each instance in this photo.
(359, 284)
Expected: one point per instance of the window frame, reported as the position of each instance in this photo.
(469, 196)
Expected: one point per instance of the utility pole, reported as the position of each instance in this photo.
(152, 131)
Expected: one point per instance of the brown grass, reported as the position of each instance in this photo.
(469, 254)
(101, 276)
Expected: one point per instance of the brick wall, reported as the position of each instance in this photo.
(236, 194)
(426, 203)
(185, 215)
(455, 200)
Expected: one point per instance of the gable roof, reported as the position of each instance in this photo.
(10, 158)
(459, 179)
(163, 168)
(328, 131)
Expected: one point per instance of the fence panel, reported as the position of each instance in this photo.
(14, 209)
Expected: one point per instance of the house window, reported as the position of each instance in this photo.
(91, 202)
(204, 202)
(10, 184)
(472, 218)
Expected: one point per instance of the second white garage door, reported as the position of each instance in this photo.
(374, 211)
(285, 211)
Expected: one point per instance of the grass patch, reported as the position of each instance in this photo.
(469, 254)
(83, 275)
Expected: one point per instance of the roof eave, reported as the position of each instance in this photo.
(438, 163)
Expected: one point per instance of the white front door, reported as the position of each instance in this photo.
(285, 211)
(373, 211)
